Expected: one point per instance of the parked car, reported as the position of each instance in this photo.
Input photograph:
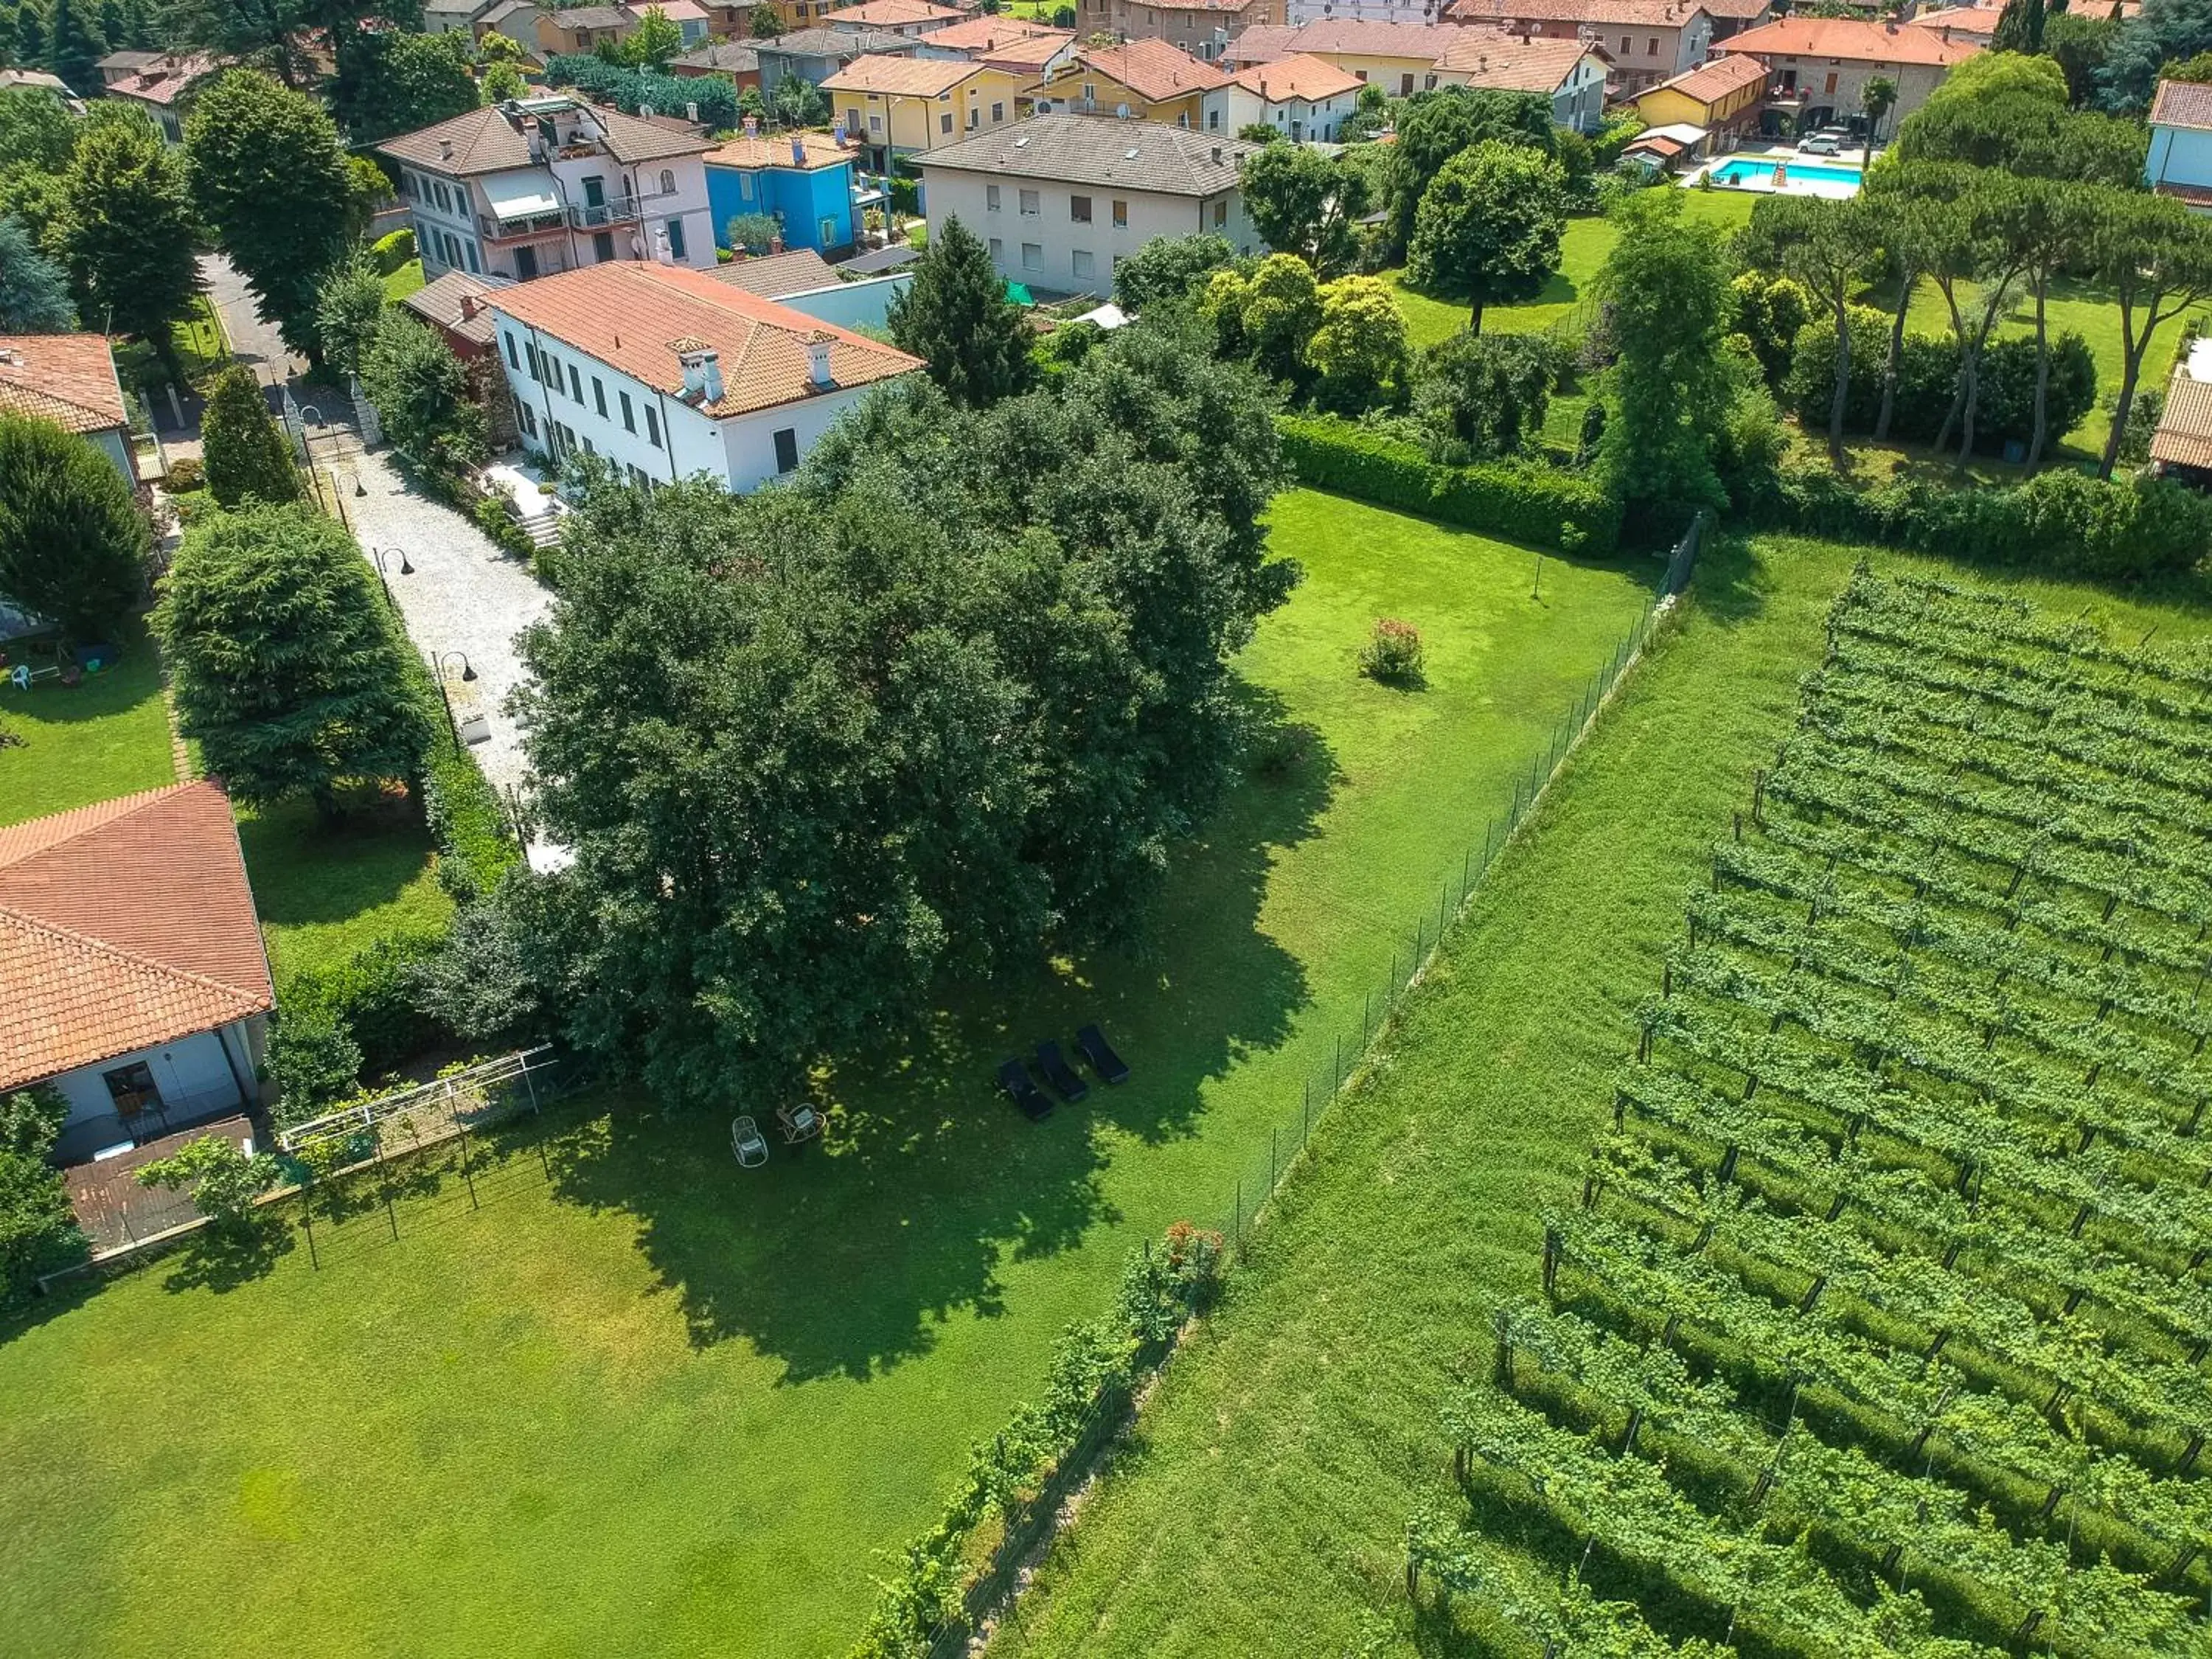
(1820, 143)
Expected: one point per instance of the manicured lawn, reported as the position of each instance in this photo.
(644, 1402)
(199, 342)
(1263, 1506)
(106, 735)
(399, 283)
(327, 891)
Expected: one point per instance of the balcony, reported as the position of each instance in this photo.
(522, 224)
(586, 217)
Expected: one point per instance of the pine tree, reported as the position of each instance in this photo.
(128, 235)
(34, 296)
(73, 544)
(957, 318)
(75, 44)
(246, 456)
(285, 666)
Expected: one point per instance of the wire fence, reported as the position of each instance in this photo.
(999, 1575)
(1346, 1051)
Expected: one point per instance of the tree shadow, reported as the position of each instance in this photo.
(306, 872)
(226, 1255)
(843, 1257)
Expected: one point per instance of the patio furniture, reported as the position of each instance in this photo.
(1058, 1073)
(748, 1143)
(1015, 1079)
(1100, 1053)
(799, 1123)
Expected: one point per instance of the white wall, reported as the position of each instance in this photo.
(191, 1074)
(750, 440)
(1060, 241)
(1314, 122)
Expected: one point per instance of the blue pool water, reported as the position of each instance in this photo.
(1743, 171)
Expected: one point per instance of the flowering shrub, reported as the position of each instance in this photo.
(1393, 654)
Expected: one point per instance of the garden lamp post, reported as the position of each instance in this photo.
(438, 669)
(381, 554)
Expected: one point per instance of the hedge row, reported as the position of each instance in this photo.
(1521, 501)
(2067, 521)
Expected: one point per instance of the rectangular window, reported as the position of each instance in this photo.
(990, 198)
(527, 418)
(787, 450)
(1028, 205)
(1081, 258)
(875, 123)
(589, 449)
(1653, 43)
(599, 396)
(998, 113)
(469, 249)
(998, 250)
(514, 359)
(653, 425)
(1213, 117)
(629, 417)
(1121, 215)
(530, 351)
(1079, 209)
(1406, 86)
(1032, 256)
(445, 201)
(637, 475)
(676, 239)
(1221, 213)
(132, 1089)
(944, 122)
(974, 119)
(1627, 46)
(575, 385)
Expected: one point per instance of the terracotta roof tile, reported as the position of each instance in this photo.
(833, 43)
(914, 77)
(2182, 104)
(1711, 81)
(166, 80)
(772, 276)
(439, 302)
(2183, 437)
(1349, 37)
(818, 150)
(982, 33)
(1195, 5)
(67, 379)
(485, 141)
(1299, 75)
(893, 13)
(1154, 70)
(1665, 13)
(122, 926)
(1495, 60)
(630, 315)
(1850, 38)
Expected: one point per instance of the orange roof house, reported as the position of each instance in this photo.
(1818, 67)
(70, 379)
(1149, 79)
(132, 975)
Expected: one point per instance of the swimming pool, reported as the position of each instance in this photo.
(1745, 170)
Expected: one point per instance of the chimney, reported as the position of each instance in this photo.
(470, 304)
(691, 113)
(693, 358)
(1217, 156)
(775, 243)
(445, 150)
(710, 378)
(752, 126)
(817, 360)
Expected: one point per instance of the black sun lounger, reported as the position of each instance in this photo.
(1060, 1074)
(1015, 1079)
(1100, 1053)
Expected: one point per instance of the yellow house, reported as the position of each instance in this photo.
(899, 105)
(1143, 79)
(1724, 95)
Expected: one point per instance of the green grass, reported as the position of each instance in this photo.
(399, 283)
(657, 1405)
(106, 735)
(1268, 1487)
(197, 336)
(325, 892)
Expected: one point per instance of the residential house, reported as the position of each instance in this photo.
(1060, 200)
(70, 379)
(516, 20)
(582, 29)
(1724, 97)
(728, 19)
(1364, 11)
(1647, 41)
(1017, 45)
(1303, 97)
(122, 65)
(1817, 67)
(1977, 24)
(731, 60)
(22, 80)
(1734, 17)
(1203, 29)
(802, 179)
(459, 306)
(689, 16)
(906, 105)
(163, 88)
(778, 275)
(132, 975)
(2181, 447)
(2180, 159)
(816, 54)
(453, 16)
(548, 184)
(912, 18)
(795, 15)
(1571, 74)
(671, 373)
(1399, 57)
(1145, 80)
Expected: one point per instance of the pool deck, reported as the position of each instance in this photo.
(1796, 184)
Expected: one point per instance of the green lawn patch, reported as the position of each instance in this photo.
(106, 735)
(1267, 1490)
(326, 891)
(399, 283)
(645, 1403)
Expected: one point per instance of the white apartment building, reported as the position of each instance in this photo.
(1062, 199)
(669, 373)
(551, 184)
(1302, 97)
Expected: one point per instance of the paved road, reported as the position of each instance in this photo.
(253, 341)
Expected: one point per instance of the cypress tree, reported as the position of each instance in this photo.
(955, 318)
(246, 456)
(73, 544)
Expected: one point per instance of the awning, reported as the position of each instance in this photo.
(524, 204)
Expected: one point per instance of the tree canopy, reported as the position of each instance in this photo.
(422, 395)
(2162, 31)
(1488, 226)
(245, 455)
(399, 82)
(954, 691)
(955, 318)
(35, 291)
(285, 662)
(73, 544)
(128, 233)
(1437, 125)
(1169, 268)
(1301, 202)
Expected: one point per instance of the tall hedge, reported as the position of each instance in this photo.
(1927, 375)
(1521, 501)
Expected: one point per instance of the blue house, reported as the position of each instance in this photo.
(804, 179)
(2180, 159)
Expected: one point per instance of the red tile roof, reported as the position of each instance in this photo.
(1644, 13)
(2183, 437)
(1154, 70)
(1852, 39)
(1493, 59)
(1299, 75)
(2182, 104)
(911, 77)
(816, 150)
(166, 80)
(982, 34)
(123, 925)
(894, 13)
(1349, 37)
(1709, 82)
(638, 318)
(67, 379)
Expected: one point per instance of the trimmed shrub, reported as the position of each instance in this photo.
(370, 997)
(1521, 501)
(1392, 652)
(394, 250)
(186, 473)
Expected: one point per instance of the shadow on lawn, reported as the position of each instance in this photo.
(841, 1258)
(306, 872)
